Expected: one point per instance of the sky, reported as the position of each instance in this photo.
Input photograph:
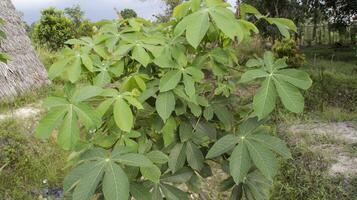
(94, 9)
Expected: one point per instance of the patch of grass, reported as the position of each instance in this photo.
(329, 114)
(30, 97)
(346, 54)
(25, 162)
(305, 177)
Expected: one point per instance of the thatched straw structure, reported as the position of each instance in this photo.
(24, 71)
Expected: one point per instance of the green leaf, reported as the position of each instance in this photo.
(68, 134)
(181, 10)
(168, 131)
(165, 105)
(240, 163)
(89, 117)
(225, 21)
(257, 186)
(273, 143)
(102, 79)
(74, 70)
(186, 132)
(189, 85)
(254, 63)
(50, 122)
(133, 159)
(152, 173)
(265, 99)
(249, 126)
(89, 182)
(139, 54)
(123, 115)
(246, 8)
(115, 183)
(295, 77)
(177, 157)
(197, 28)
(263, 159)
(222, 146)
(290, 96)
(194, 156)
(172, 193)
(86, 92)
(139, 192)
(224, 115)
(87, 62)
(57, 68)
(181, 176)
(170, 80)
(75, 175)
(253, 74)
(157, 157)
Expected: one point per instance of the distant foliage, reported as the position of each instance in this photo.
(128, 13)
(57, 26)
(53, 29)
(290, 50)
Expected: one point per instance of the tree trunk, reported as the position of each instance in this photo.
(24, 71)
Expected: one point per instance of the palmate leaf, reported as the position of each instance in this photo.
(69, 111)
(279, 81)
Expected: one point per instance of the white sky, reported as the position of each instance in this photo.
(95, 9)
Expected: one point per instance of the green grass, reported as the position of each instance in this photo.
(306, 176)
(30, 97)
(25, 162)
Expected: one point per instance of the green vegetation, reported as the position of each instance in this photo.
(26, 162)
(128, 13)
(289, 49)
(306, 176)
(57, 26)
(140, 116)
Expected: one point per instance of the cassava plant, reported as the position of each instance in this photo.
(147, 107)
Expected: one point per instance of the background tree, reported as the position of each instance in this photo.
(128, 13)
(170, 5)
(75, 13)
(53, 29)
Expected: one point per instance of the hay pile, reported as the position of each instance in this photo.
(24, 71)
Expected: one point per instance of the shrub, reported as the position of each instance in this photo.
(128, 13)
(53, 29)
(289, 49)
(140, 117)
